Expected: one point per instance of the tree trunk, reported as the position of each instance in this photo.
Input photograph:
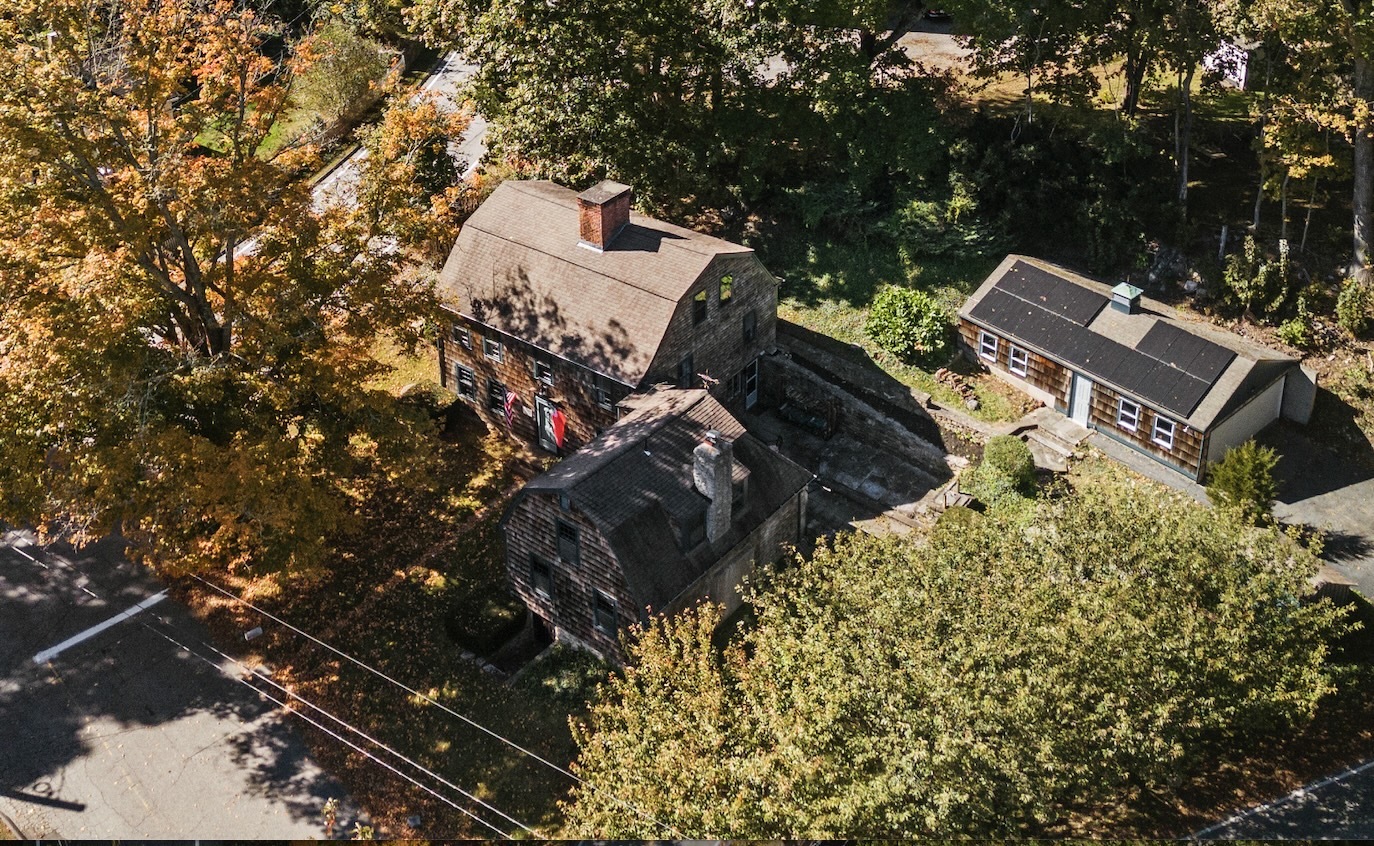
(1307, 221)
(1283, 206)
(1135, 78)
(1363, 200)
(1183, 131)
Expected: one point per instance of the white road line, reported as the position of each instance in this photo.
(48, 654)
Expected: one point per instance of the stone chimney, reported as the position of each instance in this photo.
(713, 466)
(1126, 298)
(602, 211)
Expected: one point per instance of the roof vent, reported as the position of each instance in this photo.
(602, 211)
(1126, 298)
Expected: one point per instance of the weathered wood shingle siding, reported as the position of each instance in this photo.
(573, 388)
(717, 345)
(1046, 374)
(531, 529)
(1187, 449)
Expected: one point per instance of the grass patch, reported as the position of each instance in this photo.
(829, 285)
(419, 369)
(566, 676)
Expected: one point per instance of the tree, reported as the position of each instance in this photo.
(159, 376)
(1244, 480)
(980, 679)
(1007, 468)
(908, 323)
(343, 71)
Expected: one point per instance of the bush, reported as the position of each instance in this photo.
(1254, 282)
(342, 71)
(1007, 469)
(1244, 479)
(1354, 305)
(1297, 330)
(907, 323)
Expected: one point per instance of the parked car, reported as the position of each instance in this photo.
(937, 15)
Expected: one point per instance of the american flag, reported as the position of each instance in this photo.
(511, 399)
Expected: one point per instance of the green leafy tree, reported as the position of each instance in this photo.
(343, 71)
(1244, 480)
(184, 341)
(908, 323)
(980, 679)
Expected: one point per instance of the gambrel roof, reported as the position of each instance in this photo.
(519, 268)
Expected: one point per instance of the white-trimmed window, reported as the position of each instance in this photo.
(987, 346)
(603, 612)
(1018, 360)
(462, 336)
(491, 348)
(1127, 414)
(1164, 432)
(543, 372)
(465, 382)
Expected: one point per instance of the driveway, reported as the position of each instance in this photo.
(1333, 808)
(127, 725)
(1321, 488)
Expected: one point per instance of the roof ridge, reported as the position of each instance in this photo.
(663, 421)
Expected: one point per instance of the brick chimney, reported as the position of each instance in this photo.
(713, 466)
(602, 211)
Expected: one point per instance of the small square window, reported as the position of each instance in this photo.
(603, 397)
(496, 396)
(1018, 361)
(751, 326)
(699, 307)
(465, 382)
(491, 348)
(987, 346)
(541, 577)
(462, 336)
(603, 612)
(568, 548)
(543, 372)
(1127, 415)
(1164, 432)
(727, 289)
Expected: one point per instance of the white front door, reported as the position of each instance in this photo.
(543, 410)
(1080, 398)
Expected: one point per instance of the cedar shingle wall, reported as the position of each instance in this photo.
(573, 388)
(717, 345)
(1043, 373)
(531, 529)
(1187, 449)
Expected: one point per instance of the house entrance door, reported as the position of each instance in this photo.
(1080, 398)
(751, 383)
(543, 415)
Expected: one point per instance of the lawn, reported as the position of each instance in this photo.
(416, 584)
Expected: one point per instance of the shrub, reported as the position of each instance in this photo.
(1007, 469)
(1354, 305)
(907, 323)
(1255, 283)
(1297, 330)
(1244, 479)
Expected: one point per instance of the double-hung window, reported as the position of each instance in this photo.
(541, 576)
(465, 382)
(496, 395)
(462, 336)
(1127, 415)
(1018, 360)
(987, 346)
(699, 307)
(543, 372)
(491, 348)
(568, 548)
(603, 612)
(1164, 432)
(751, 326)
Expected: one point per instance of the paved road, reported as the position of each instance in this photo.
(127, 734)
(1340, 807)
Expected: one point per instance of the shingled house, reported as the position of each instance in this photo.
(565, 303)
(673, 504)
(1133, 369)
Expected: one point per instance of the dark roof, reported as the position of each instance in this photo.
(518, 267)
(1182, 368)
(634, 482)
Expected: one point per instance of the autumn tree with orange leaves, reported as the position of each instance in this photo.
(184, 339)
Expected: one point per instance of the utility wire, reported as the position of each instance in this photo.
(416, 764)
(285, 706)
(466, 719)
